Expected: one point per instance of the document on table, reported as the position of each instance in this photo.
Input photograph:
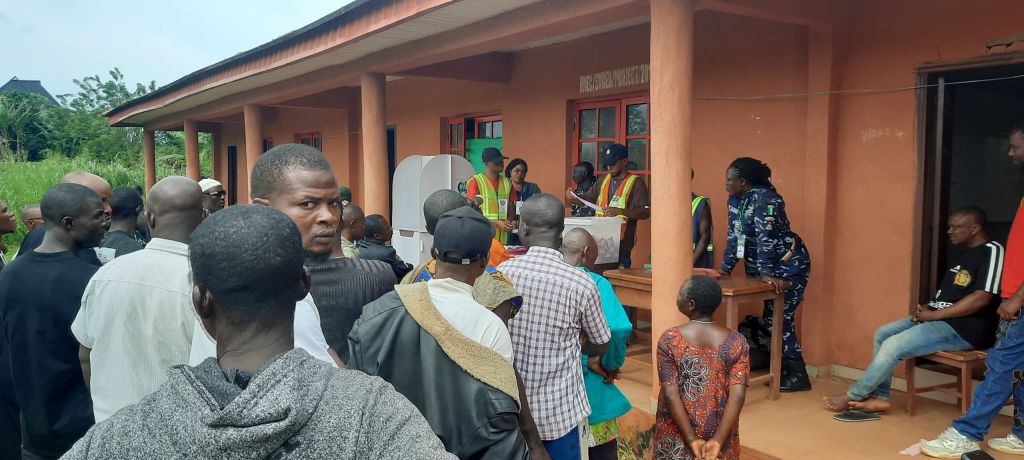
(586, 203)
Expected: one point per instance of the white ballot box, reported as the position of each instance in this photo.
(606, 230)
(416, 178)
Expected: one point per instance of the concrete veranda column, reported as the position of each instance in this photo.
(191, 150)
(149, 157)
(671, 107)
(216, 171)
(375, 147)
(253, 115)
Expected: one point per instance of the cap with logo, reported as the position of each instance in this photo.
(462, 236)
(613, 154)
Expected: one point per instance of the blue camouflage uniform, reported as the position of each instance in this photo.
(760, 217)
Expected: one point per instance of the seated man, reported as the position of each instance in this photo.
(377, 233)
(962, 316)
(444, 351)
(261, 398)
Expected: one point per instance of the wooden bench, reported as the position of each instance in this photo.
(963, 365)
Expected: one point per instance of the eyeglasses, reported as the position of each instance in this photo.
(219, 194)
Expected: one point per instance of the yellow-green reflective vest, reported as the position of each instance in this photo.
(491, 206)
(696, 221)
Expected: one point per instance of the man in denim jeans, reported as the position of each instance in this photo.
(1005, 361)
(962, 316)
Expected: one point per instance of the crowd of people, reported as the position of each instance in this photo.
(174, 326)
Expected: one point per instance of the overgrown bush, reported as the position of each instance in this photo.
(24, 182)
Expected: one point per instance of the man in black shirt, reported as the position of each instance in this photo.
(341, 286)
(125, 207)
(374, 245)
(962, 316)
(40, 293)
(93, 182)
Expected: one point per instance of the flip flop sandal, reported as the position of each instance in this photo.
(853, 415)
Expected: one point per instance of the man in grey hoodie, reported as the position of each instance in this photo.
(261, 398)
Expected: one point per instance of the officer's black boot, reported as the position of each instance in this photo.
(794, 376)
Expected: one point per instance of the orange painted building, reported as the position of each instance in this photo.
(822, 90)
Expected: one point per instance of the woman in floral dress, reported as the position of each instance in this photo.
(703, 369)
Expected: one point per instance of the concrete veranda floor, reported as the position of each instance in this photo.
(797, 425)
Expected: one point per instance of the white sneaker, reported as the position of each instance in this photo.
(950, 444)
(1010, 444)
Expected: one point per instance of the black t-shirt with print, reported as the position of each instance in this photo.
(978, 268)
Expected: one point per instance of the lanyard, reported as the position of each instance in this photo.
(743, 212)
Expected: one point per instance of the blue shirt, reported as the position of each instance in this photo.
(606, 401)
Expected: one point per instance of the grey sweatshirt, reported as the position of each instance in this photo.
(294, 407)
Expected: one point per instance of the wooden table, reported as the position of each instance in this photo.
(633, 287)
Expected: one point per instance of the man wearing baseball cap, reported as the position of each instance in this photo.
(494, 189)
(445, 351)
(619, 194)
(213, 195)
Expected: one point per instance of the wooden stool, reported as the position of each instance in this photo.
(963, 364)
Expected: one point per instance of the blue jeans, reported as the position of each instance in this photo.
(899, 340)
(1005, 371)
(565, 448)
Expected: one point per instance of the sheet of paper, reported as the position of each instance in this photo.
(586, 203)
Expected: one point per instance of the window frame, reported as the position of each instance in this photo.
(312, 135)
(465, 121)
(620, 104)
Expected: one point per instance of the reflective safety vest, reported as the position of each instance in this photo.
(694, 205)
(495, 205)
(618, 199)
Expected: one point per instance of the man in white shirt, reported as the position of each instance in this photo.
(297, 180)
(136, 318)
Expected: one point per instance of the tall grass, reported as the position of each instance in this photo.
(23, 183)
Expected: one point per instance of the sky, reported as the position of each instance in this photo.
(57, 41)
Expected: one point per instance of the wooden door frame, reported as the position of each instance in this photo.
(926, 201)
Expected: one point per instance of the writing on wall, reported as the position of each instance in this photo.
(633, 75)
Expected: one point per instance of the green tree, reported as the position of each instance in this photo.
(82, 129)
(24, 126)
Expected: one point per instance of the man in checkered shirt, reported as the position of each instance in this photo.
(561, 305)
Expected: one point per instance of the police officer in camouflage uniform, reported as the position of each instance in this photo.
(759, 233)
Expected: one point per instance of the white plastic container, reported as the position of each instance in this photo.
(606, 230)
(416, 178)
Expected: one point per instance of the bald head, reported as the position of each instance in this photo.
(352, 222)
(31, 216)
(579, 248)
(542, 221)
(94, 182)
(174, 208)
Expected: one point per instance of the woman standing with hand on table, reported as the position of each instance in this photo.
(760, 234)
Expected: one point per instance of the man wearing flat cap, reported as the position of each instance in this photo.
(213, 195)
(619, 194)
(446, 352)
(494, 190)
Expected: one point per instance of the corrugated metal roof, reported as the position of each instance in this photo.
(27, 86)
(453, 16)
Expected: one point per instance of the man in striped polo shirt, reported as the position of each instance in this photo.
(961, 316)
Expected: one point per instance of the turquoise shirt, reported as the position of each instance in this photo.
(606, 401)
